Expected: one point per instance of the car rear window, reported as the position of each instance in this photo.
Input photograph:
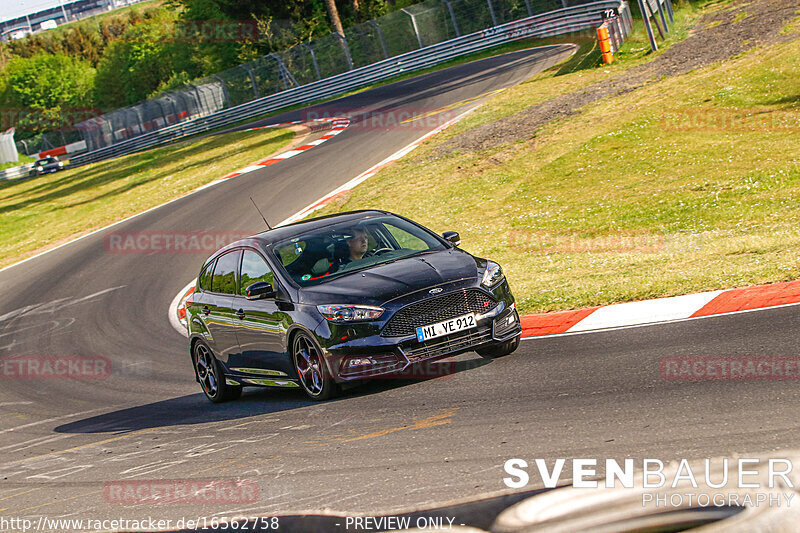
(224, 278)
(205, 276)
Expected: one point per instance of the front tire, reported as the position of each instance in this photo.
(499, 349)
(309, 363)
(211, 376)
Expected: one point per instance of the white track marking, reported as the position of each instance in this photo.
(53, 306)
(61, 472)
(17, 428)
(19, 446)
(645, 312)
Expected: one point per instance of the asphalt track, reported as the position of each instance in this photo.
(383, 447)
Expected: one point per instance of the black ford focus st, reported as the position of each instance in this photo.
(340, 299)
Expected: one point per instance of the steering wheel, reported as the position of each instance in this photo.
(377, 251)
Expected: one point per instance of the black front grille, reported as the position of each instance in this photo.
(449, 344)
(409, 318)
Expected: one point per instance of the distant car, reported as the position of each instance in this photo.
(46, 165)
(340, 299)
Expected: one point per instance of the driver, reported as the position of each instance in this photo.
(356, 246)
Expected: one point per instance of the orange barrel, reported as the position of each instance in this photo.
(605, 43)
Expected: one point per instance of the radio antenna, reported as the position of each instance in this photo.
(260, 213)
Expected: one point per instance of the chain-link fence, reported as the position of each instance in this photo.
(408, 29)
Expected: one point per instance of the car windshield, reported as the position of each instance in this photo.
(332, 251)
(45, 161)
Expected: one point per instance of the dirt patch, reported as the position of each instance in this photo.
(717, 36)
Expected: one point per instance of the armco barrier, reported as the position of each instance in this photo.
(561, 21)
(15, 172)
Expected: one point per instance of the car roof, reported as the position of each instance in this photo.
(298, 228)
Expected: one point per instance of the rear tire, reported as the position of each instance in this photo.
(499, 349)
(309, 363)
(211, 376)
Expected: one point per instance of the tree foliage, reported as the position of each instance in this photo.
(141, 64)
(87, 39)
(121, 58)
(46, 90)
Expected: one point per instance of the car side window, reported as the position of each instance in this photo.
(205, 276)
(254, 269)
(224, 278)
(406, 239)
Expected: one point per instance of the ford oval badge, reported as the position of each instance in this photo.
(437, 290)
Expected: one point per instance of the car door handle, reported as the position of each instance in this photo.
(240, 313)
(206, 310)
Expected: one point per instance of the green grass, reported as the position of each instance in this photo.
(793, 26)
(39, 212)
(583, 69)
(624, 201)
(23, 160)
(740, 17)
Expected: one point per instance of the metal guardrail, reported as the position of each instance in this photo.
(16, 172)
(555, 22)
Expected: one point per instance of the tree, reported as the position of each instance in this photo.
(47, 91)
(147, 60)
(333, 13)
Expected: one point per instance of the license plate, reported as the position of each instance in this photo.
(446, 327)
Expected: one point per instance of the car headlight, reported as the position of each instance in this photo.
(493, 274)
(349, 313)
(61, 163)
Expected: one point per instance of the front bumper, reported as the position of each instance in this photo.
(391, 355)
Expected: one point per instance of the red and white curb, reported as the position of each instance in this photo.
(662, 310)
(338, 125)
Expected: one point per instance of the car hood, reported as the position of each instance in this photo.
(380, 284)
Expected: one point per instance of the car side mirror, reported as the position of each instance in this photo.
(452, 237)
(259, 290)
